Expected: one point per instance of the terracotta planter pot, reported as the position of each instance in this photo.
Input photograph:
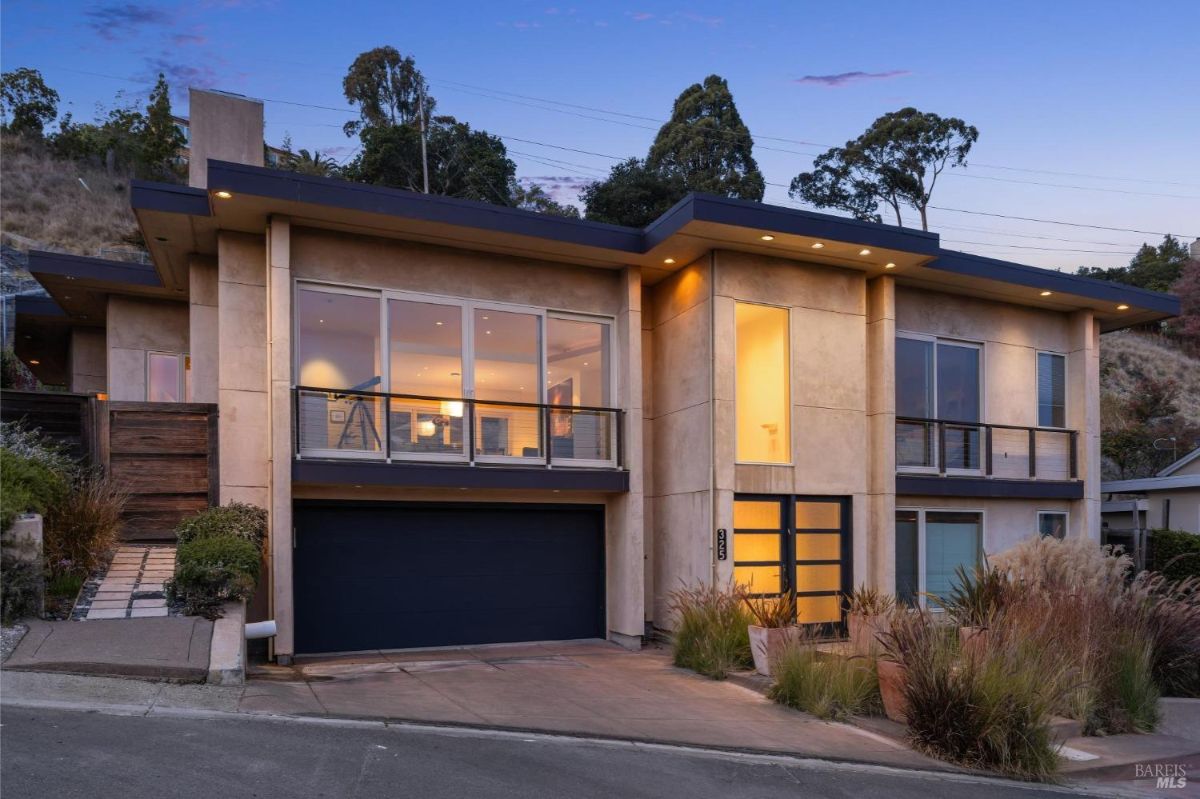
(864, 632)
(766, 643)
(893, 680)
(972, 640)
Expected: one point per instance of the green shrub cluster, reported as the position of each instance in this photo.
(27, 485)
(1176, 554)
(827, 686)
(712, 631)
(21, 581)
(218, 558)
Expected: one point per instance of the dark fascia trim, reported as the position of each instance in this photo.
(383, 504)
(1050, 280)
(277, 184)
(83, 267)
(759, 216)
(39, 306)
(168, 198)
(933, 486)
(424, 475)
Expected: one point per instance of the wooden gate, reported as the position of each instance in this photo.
(63, 418)
(165, 454)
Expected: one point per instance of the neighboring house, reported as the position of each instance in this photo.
(472, 423)
(1168, 501)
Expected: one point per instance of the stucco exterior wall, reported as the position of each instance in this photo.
(136, 326)
(89, 360)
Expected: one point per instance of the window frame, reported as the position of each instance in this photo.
(1066, 514)
(467, 306)
(935, 340)
(1037, 389)
(791, 459)
(922, 511)
(184, 382)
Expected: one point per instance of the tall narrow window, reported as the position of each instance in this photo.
(762, 395)
(425, 352)
(338, 347)
(508, 358)
(578, 374)
(1052, 389)
(908, 556)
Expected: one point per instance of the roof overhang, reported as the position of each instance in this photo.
(42, 339)
(80, 286)
(178, 222)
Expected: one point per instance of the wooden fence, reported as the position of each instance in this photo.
(164, 454)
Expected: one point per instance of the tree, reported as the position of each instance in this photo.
(159, 138)
(1187, 287)
(706, 144)
(466, 163)
(1149, 413)
(27, 104)
(388, 89)
(312, 163)
(633, 194)
(534, 198)
(1155, 268)
(897, 160)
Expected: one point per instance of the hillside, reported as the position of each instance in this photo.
(45, 200)
(1126, 356)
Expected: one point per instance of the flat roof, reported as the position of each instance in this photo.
(695, 225)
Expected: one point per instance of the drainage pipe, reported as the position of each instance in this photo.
(260, 629)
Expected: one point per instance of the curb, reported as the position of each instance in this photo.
(227, 653)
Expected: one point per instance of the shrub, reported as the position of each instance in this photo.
(83, 524)
(20, 582)
(712, 633)
(27, 485)
(977, 598)
(769, 611)
(1131, 703)
(1169, 613)
(213, 570)
(1049, 565)
(236, 519)
(1176, 554)
(870, 602)
(827, 686)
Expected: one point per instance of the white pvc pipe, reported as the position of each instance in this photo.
(260, 629)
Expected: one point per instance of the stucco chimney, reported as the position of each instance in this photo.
(224, 126)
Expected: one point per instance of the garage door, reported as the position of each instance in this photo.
(391, 576)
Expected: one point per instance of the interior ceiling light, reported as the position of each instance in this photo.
(34, 362)
(767, 238)
(668, 260)
(817, 245)
(1046, 293)
(889, 265)
(224, 195)
(864, 251)
(1122, 307)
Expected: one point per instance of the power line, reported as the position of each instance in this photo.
(1030, 247)
(1057, 222)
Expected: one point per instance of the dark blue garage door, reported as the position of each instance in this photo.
(391, 576)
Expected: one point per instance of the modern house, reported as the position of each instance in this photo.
(1168, 501)
(477, 424)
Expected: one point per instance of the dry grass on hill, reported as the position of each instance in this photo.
(41, 198)
(1126, 356)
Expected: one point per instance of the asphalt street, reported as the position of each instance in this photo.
(69, 753)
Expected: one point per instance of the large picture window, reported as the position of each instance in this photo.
(931, 545)
(469, 379)
(762, 376)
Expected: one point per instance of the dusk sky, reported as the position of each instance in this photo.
(1088, 111)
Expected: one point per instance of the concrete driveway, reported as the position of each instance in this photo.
(591, 688)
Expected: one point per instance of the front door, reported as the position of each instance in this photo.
(795, 545)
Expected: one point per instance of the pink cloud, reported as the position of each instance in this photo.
(846, 78)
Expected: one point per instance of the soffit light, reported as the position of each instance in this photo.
(767, 238)
(34, 362)
(889, 265)
(817, 245)
(1122, 307)
(1046, 293)
(864, 251)
(668, 260)
(224, 195)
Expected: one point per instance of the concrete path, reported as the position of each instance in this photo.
(173, 648)
(130, 587)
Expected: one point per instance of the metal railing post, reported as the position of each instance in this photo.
(941, 450)
(546, 434)
(1074, 455)
(470, 411)
(1032, 453)
(987, 448)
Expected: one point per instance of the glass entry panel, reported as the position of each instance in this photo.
(794, 545)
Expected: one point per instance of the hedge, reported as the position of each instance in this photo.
(1176, 553)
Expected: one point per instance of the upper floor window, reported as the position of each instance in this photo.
(1051, 389)
(762, 377)
(937, 379)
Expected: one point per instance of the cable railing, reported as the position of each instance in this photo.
(953, 448)
(353, 424)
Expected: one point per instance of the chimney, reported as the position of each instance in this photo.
(224, 126)
(1194, 250)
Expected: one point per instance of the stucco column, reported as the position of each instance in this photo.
(279, 359)
(880, 535)
(1083, 414)
(203, 342)
(625, 518)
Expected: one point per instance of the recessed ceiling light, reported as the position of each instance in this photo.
(1122, 307)
(767, 238)
(488, 332)
(668, 260)
(439, 324)
(224, 195)
(889, 265)
(34, 362)
(486, 318)
(1046, 293)
(817, 245)
(322, 321)
(864, 251)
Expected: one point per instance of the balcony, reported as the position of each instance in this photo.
(943, 457)
(404, 439)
